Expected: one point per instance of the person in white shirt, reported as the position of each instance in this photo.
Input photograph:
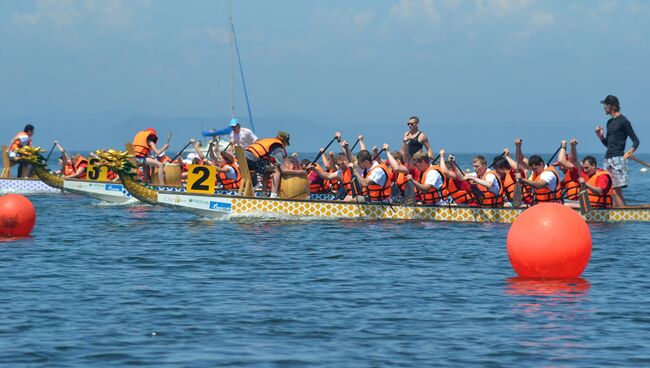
(482, 176)
(376, 181)
(241, 136)
(432, 184)
(544, 181)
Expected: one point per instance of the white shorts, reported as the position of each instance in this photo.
(617, 167)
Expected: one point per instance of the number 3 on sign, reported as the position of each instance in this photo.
(201, 179)
(95, 172)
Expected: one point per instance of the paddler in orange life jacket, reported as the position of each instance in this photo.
(342, 175)
(598, 183)
(431, 185)
(317, 184)
(487, 182)
(265, 157)
(21, 140)
(228, 174)
(376, 181)
(398, 171)
(459, 190)
(571, 168)
(544, 181)
(79, 167)
(144, 143)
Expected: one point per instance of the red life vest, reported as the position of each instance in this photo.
(318, 185)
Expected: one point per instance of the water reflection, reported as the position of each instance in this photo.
(561, 288)
(546, 313)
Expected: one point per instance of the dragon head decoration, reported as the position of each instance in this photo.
(31, 155)
(116, 161)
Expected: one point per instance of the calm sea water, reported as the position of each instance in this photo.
(107, 285)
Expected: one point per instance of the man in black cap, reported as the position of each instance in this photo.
(618, 130)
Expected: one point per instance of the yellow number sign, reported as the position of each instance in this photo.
(95, 172)
(201, 179)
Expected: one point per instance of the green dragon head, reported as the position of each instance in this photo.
(31, 155)
(116, 161)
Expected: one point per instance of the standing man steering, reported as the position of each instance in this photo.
(618, 130)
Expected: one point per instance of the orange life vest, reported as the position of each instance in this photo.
(458, 195)
(433, 195)
(400, 180)
(320, 185)
(68, 169)
(509, 185)
(377, 192)
(141, 143)
(227, 182)
(80, 162)
(263, 147)
(16, 144)
(489, 198)
(545, 194)
(604, 200)
(570, 187)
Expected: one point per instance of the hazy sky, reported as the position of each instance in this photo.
(477, 72)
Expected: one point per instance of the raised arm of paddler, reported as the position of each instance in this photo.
(448, 171)
(394, 164)
(519, 154)
(65, 154)
(328, 161)
(562, 159)
(362, 144)
(574, 153)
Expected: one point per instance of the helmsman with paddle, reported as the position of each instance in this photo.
(618, 130)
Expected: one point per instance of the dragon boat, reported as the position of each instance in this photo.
(217, 205)
(103, 190)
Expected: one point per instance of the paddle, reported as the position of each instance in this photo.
(378, 153)
(50, 154)
(435, 159)
(169, 138)
(517, 196)
(640, 161)
(548, 163)
(354, 182)
(355, 144)
(320, 153)
(181, 151)
(497, 159)
(583, 196)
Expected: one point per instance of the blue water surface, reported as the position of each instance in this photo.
(113, 285)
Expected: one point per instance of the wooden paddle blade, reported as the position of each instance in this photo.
(409, 194)
(517, 197)
(246, 186)
(583, 197)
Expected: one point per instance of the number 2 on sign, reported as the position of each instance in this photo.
(95, 172)
(201, 179)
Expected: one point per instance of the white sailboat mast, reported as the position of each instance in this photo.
(232, 61)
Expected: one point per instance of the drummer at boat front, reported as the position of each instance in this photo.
(413, 141)
(22, 139)
(241, 136)
(618, 130)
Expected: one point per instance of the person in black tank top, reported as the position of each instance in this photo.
(414, 140)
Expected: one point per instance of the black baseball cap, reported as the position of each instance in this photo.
(610, 100)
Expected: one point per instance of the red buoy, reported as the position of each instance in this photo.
(549, 240)
(17, 215)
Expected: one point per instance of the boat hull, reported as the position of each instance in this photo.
(219, 205)
(25, 186)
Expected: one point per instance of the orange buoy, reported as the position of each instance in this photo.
(549, 240)
(17, 215)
